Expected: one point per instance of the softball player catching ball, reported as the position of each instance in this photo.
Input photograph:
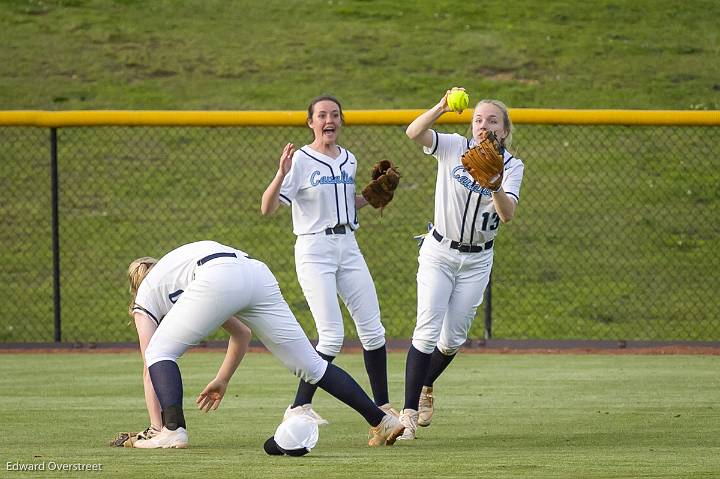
(457, 255)
(318, 181)
(192, 291)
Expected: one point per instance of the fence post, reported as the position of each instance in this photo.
(488, 309)
(55, 232)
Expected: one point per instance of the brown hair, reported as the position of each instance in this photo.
(136, 273)
(317, 99)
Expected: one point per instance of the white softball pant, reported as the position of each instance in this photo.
(244, 287)
(450, 287)
(332, 265)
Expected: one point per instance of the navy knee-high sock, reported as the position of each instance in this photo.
(342, 386)
(167, 382)
(306, 391)
(438, 363)
(416, 369)
(376, 367)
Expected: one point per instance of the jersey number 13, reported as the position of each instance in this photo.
(493, 219)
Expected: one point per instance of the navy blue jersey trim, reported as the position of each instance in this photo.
(508, 160)
(436, 142)
(513, 195)
(477, 208)
(355, 218)
(467, 205)
(174, 296)
(152, 316)
(347, 208)
(332, 173)
(287, 200)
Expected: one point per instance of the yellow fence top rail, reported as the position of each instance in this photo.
(57, 119)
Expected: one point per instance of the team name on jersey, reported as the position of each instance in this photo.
(467, 182)
(316, 179)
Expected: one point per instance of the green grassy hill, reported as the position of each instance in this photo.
(276, 54)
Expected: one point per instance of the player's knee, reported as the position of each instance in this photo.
(423, 345)
(310, 370)
(374, 343)
(156, 353)
(448, 350)
(373, 340)
(330, 346)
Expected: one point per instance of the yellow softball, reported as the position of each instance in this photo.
(458, 100)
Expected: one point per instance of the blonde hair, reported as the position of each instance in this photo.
(136, 273)
(507, 122)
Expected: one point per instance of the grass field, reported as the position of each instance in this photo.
(498, 416)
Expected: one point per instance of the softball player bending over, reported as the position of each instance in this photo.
(456, 257)
(318, 180)
(193, 290)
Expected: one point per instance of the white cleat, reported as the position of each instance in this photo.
(409, 419)
(307, 410)
(425, 410)
(166, 439)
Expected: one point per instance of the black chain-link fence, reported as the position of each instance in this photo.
(616, 237)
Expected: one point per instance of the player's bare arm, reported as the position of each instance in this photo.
(240, 335)
(360, 201)
(504, 205)
(419, 129)
(271, 196)
(146, 328)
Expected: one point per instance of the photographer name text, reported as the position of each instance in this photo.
(52, 466)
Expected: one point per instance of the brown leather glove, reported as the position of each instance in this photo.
(381, 189)
(484, 162)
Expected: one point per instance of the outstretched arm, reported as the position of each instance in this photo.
(271, 196)
(210, 397)
(419, 129)
(146, 328)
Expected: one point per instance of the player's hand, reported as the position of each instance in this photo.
(209, 399)
(286, 159)
(444, 103)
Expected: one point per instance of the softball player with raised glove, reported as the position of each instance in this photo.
(193, 290)
(456, 258)
(318, 182)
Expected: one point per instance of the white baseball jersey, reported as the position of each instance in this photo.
(321, 190)
(169, 278)
(464, 211)
(195, 288)
(451, 282)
